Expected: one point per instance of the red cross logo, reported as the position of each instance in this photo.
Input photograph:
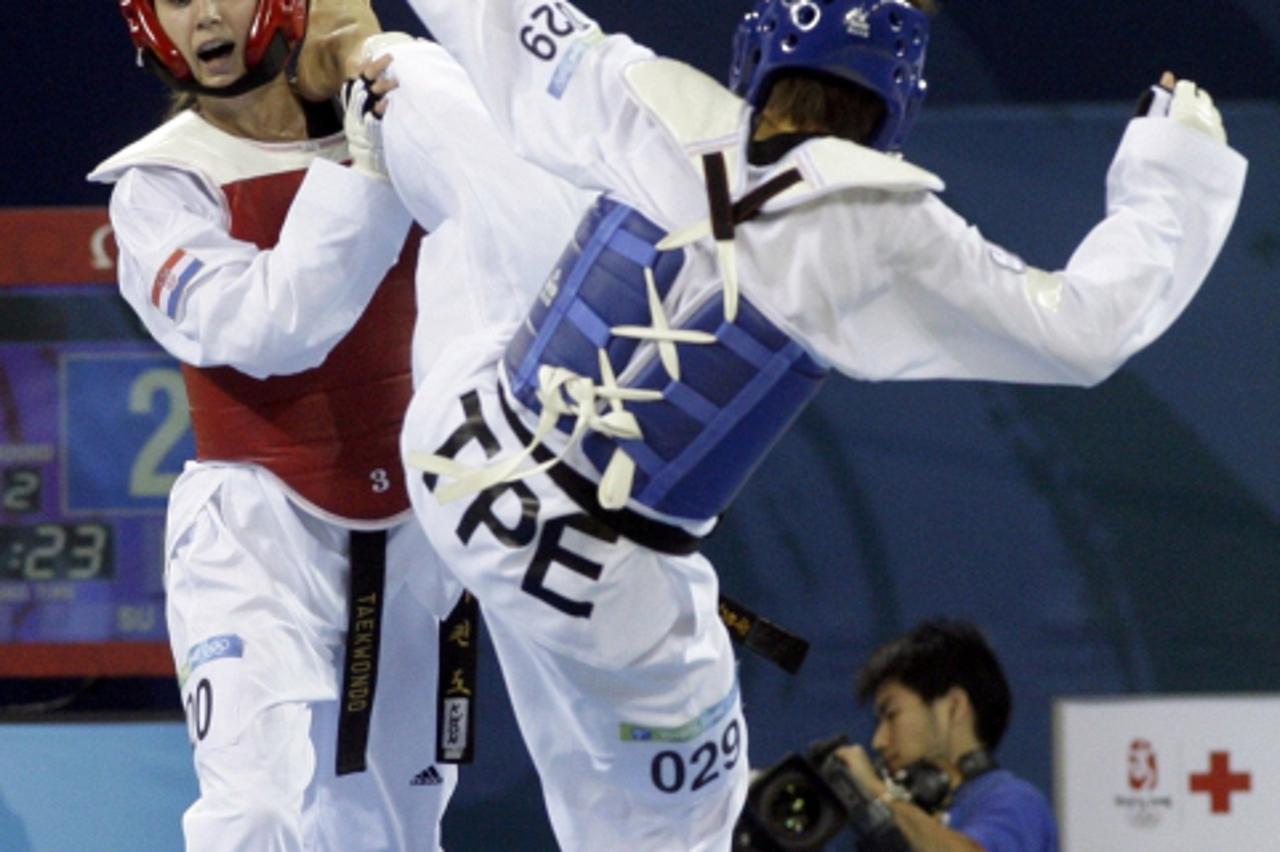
(1220, 782)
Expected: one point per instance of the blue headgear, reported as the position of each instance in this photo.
(746, 48)
(877, 44)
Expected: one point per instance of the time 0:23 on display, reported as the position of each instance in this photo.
(65, 551)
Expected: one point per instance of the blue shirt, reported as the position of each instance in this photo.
(1003, 813)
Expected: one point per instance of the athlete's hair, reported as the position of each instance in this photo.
(934, 657)
(816, 102)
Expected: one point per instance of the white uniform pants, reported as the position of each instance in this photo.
(620, 671)
(257, 616)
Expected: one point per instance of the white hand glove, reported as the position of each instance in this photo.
(1155, 101)
(1186, 104)
(362, 120)
(363, 127)
(1193, 107)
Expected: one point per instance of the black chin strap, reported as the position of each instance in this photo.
(766, 152)
(273, 62)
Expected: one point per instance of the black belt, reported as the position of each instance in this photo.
(456, 689)
(459, 633)
(364, 629)
(762, 636)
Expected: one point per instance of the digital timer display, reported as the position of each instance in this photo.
(94, 429)
(45, 552)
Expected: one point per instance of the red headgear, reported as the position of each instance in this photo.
(287, 18)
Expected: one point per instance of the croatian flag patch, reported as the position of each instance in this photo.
(172, 281)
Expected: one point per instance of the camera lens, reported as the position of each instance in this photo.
(790, 809)
(796, 814)
(794, 808)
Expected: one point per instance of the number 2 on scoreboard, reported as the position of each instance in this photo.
(146, 479)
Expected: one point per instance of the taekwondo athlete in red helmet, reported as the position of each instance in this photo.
(302, 603)
(741, 249)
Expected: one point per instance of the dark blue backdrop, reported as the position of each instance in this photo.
(71, 96)
(1118, 540)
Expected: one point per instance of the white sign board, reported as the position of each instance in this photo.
(1178, 773)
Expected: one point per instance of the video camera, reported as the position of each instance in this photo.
(804, 800)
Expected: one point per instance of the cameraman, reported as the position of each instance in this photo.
(941, 696)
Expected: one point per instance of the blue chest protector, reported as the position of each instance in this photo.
(734, 399)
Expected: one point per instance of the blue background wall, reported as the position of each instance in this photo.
(1118, 540)
(102, 786)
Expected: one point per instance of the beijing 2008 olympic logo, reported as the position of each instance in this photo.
(1144, 770)
(1142, 802)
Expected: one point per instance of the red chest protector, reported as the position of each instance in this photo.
(332, 433)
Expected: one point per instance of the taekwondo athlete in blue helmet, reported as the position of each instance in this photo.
(743, 244)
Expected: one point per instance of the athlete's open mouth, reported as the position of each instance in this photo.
(215, 50)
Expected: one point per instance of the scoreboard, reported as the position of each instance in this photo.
(94, 429)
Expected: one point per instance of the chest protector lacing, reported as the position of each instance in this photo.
(724, 384)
